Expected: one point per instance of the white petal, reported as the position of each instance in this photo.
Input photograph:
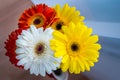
(53, 66)
(40, 30)
(36, 69)
(22, 61)
(19, 36)
(19, 50)
(21, 56)
(51, 63)
(53, 59)
(21, 43)
(25, 38)
(32, 69)
(27, 34)
(34, 31)
(48, 69)
(27, 65)
(48, 31)
(42, 70)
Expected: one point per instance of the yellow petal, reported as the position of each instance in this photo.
(92, 39)
(71, 11)
(87, 32)
(59, 54)
(91, 63)
(72, 65)
(90, 52)
(65, 66)
(57, 8)
(93, 46)
(65, 58)
(59, 36)
(64, 10)
(87, 67)
(66, 31)
(81, 65)
(78, 68)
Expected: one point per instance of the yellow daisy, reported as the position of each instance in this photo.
(64, 15)
(77, 47)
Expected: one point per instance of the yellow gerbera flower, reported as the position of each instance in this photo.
(77, 47)
(64, 15)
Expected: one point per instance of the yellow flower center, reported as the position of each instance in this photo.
(39, 48)
(38, 20)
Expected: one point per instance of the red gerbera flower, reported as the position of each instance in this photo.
(40, 15)
(10, 46)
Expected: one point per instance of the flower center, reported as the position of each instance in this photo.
(39, 49)
(37, 21)
(59, 25)
(74, 47)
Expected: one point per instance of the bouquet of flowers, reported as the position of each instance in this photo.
(52, 38)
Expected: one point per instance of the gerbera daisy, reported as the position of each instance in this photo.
(38, 15)
(77, 47)
(10, 46)
(65, 15)
(34, 53)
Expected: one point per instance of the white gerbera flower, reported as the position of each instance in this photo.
(34, 53)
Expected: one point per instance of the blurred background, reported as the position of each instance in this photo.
(102, 15)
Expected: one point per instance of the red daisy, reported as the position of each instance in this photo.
(10, 46)
(39, 15)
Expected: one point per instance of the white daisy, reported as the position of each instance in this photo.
(34, 53)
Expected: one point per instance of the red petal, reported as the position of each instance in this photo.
(10, 46)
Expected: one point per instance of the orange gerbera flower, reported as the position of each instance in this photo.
(40, 15)
(10, 46)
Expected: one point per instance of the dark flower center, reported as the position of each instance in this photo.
(74, 47)
(37, 21)
(58, 72)
(39, 49)
(59, 26)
